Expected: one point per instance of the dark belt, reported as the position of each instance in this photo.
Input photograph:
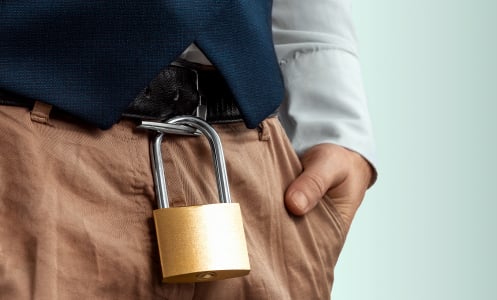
(182, 88)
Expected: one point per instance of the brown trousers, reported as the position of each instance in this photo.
(76, 212)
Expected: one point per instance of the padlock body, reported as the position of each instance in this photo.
(201, 243)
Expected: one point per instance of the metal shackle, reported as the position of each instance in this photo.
(217, 156)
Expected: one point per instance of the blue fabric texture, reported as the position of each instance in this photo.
(91, 58)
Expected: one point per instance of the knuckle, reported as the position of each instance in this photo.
(316, 183)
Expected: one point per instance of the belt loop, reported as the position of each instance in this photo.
(41, 112)
(264, 134)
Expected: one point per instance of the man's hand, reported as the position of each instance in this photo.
(329, 169)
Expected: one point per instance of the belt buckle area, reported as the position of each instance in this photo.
(201, 110)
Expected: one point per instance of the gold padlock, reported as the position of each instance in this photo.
(203, 242)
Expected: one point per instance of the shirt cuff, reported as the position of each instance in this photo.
(325, 102)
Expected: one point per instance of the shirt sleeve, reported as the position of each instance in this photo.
(325, 100)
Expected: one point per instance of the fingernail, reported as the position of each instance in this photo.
(300, 200)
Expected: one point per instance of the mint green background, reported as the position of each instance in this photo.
(427, 230)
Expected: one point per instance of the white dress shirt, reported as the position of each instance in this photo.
(325, 100)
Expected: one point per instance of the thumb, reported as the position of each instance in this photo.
(319, 175)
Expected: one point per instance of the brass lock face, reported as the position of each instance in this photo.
(203, 242)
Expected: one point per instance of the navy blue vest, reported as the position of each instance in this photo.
(91, 58)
